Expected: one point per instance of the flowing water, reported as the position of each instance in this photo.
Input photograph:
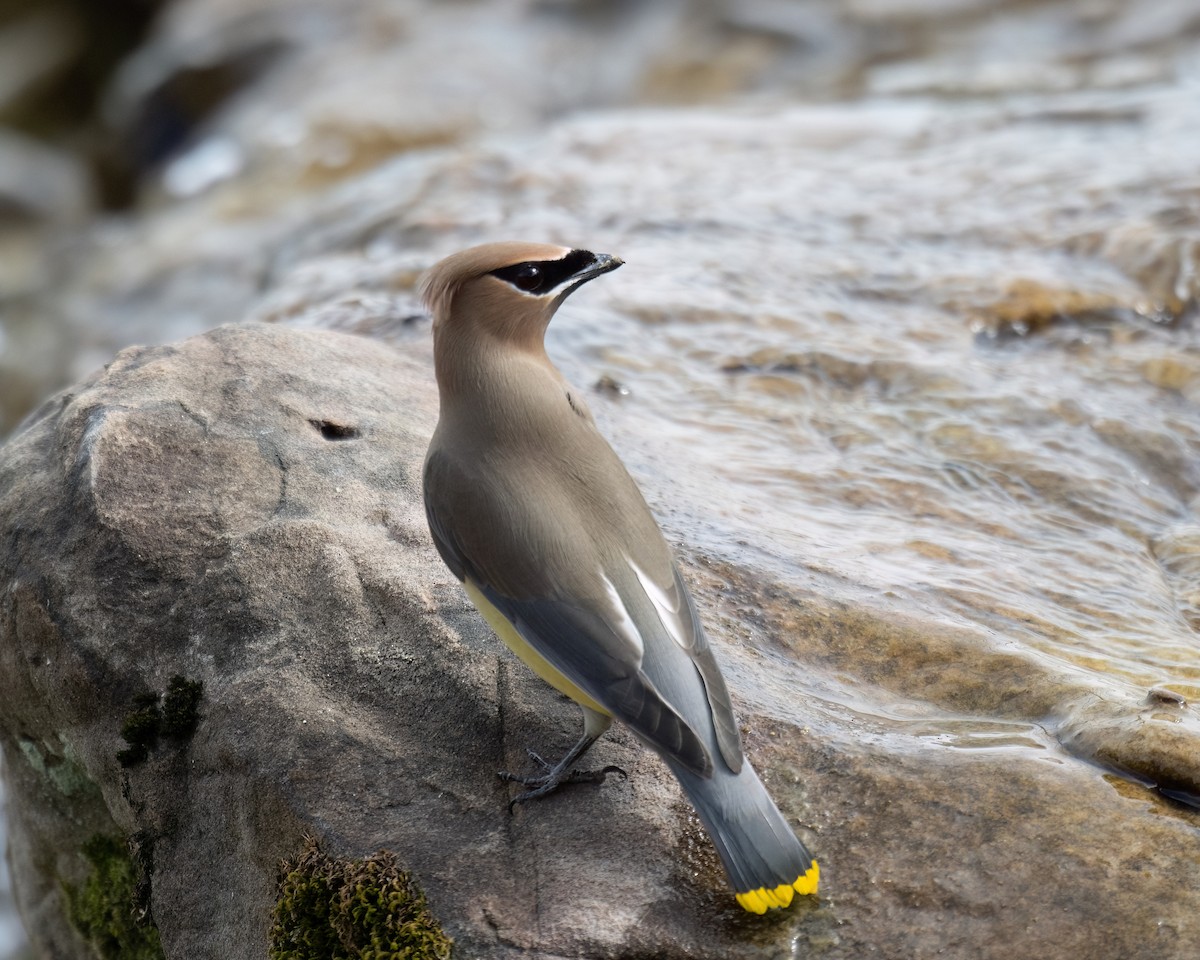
(886, 344)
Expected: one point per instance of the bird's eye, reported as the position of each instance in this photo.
(530, 277)
(527, 276)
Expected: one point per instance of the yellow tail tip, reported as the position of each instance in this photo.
(764, 898)
(807, 884)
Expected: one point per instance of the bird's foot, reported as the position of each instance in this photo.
(553, 776)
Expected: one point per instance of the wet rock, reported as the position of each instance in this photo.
(1177, 552)
(56, 57)
(36, 45)
(1163, 696)
(610, 386)
(1171, 373)
(324, 78)
(38, 182)
(1028, 307)
(1163, 256)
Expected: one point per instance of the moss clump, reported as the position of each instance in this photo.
(369, 909)
(181, 708)
(175, 715)
(140, 730)
(104, 910)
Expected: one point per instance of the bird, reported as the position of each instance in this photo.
(538, 519)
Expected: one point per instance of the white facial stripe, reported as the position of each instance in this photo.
(549, 294)
(667, 609)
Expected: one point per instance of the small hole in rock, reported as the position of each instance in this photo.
(335, 431)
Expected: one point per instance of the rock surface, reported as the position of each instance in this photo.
(243, 509)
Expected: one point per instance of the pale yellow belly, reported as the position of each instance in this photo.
(530, 657)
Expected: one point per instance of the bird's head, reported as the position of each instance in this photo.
(509, 290)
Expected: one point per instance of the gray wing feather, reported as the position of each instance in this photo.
(574, 640)
(729, 741)
(579, 643)
(447, 546)
(670, 605)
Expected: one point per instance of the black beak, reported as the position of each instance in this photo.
(601, 263)
(597, 264)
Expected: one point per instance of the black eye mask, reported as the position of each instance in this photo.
(538, 277)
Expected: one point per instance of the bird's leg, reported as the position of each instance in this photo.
(554, 775)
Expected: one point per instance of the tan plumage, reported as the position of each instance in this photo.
(532, 510)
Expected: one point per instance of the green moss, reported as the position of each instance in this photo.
(105, 909)
(176, 717)
(140, 730)
(369, 909)
(180, 709)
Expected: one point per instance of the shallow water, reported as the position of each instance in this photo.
(844, 389)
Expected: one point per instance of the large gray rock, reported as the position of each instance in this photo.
(244, 509)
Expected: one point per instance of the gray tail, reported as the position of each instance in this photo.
(766, 863)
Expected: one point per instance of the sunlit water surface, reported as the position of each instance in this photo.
(901, 361)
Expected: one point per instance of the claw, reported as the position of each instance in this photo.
(553, 775)
(594, 776)
(537, 758)
(529, 781)
(548, 783)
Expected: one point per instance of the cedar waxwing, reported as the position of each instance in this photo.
(535, 515)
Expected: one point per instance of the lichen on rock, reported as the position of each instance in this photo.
(345, 909)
